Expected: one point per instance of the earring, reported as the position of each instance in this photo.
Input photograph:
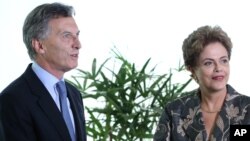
(195, 78)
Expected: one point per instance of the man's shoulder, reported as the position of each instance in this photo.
(17, 85)
(15, 92)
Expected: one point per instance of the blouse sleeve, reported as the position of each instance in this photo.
(163, 128)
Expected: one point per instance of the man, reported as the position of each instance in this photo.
(1, 128)
(32, 108)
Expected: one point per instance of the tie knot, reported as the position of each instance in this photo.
(61, 88)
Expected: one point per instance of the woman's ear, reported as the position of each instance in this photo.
(37, 46)
(190, 69)
(193, 75)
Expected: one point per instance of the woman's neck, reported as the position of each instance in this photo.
(212, 101)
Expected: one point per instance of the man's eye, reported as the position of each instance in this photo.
(67, 36)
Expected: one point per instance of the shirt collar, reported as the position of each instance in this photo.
(47, 78)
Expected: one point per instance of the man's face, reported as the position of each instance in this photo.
(60, 49)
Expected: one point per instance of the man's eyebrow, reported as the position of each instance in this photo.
(68, 32)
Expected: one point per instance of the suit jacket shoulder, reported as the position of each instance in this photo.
(30, 113)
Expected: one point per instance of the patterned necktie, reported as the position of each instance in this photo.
(61, 88)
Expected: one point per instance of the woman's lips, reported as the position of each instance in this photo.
(218, 77)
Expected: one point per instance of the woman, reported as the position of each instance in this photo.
(205, 114)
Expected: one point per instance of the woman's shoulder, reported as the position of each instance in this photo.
(188, 95)
(236, 100)
(187, 99)
(234, 95)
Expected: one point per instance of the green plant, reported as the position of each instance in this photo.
(130, 100)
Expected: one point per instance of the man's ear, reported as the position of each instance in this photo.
(37, 46)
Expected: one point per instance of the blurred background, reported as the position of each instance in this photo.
(140, 29)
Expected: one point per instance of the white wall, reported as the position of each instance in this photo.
(139, 28)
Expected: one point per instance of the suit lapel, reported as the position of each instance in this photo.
(46, 103)
(54, 115)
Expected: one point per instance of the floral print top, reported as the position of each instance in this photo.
(182, 119)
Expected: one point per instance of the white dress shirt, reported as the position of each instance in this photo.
(49, 81)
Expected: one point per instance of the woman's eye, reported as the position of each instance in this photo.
(225, 61)
(208, 63)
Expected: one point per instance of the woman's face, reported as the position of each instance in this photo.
(212, 71)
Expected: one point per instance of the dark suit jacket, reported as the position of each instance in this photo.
(30, 114)
(1, 127)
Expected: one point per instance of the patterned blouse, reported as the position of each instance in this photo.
(182, 119)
